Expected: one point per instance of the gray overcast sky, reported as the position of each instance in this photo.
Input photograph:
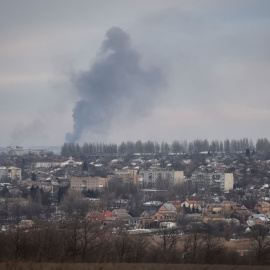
(214, 56)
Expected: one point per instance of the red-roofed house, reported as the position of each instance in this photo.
(105, 217)
(191, 205)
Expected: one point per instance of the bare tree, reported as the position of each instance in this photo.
(193, 245)
(91, 237)
(140, 245)
(212, 248)
(166, 240)
(71, 234)
(123, 245)
(260, 243)
(18, 242)
(46, 242)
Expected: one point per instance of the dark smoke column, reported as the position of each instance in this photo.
(115, 82)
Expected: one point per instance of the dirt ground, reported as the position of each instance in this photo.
(123, 266)
(239, 244)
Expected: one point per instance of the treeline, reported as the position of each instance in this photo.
(177, 146)
(88, 241)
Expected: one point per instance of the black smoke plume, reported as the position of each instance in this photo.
(116, 83)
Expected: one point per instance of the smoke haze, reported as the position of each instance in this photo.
(116, 83)
(214, 54)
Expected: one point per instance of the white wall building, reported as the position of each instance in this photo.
(224, 181)
(20, 151)
(151, 177)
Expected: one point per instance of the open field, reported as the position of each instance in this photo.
(239, 244)
(123, 266)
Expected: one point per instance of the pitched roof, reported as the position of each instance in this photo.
(253, 216)
(151, 212)
(264, 204)
(169, 214)
(169, 206)
(192, 202)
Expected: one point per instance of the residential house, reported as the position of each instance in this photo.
(257, 219)
(176, 204)
(164, 216)
(230, 205)
(262, 207)
(148, 213)
(214, 208)
(267, 215)
(146, 218)
(191, 206)
(242, 214)
(213, 217)
(168, 208)
(123, 216)
(105, 218)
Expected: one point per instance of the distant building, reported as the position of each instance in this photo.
(71, 162)
(257, 219)
(85, 183)
(262, 207)
(104, 217)
(26, 224)
(128, 176)
(161, 178)
(192, 206)
(242, 214)
(13, 173)
(20, 151)
(202, 178)
(47, 164)
(224, 181)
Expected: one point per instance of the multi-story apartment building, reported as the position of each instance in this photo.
(153, 178)
(85, 183)
(20, 151)
(129, 176)
(201, 177)
(13, 173)
(224, 181)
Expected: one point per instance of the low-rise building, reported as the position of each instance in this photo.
(20, 151)
(242, 214)
(13, 173)
(257, 219)
(262, 207)
(191, 206)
